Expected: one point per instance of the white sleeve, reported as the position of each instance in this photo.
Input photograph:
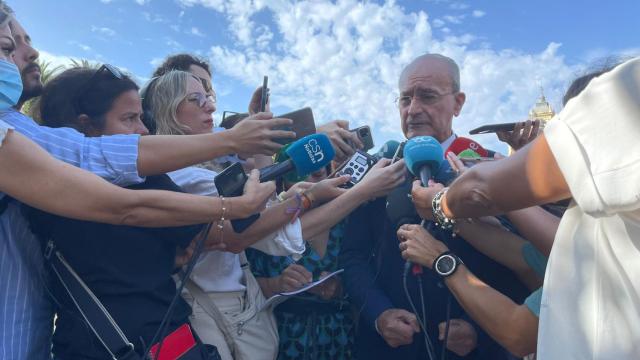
(195, 180)
(284, 242)
(596, 141)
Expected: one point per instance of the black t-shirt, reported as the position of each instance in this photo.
(128, 268)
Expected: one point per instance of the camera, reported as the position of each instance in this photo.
(364, 134)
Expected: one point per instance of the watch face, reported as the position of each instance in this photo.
(445, 265)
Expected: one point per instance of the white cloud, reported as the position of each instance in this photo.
(103, 30)
(106, 1)
(82, 46)
(478, 13)
(195, 31)
(142, 2)
(454, 19)
(343, 59)
(437, 23)
(458, 6)
(173, 43)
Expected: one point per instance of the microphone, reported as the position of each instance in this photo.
(465, 147)
(387, 150)
(423, 156)
(306, 155)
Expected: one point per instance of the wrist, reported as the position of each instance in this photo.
(227, 140)
(236, 208)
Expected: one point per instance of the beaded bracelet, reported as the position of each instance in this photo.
(220, 224)
(438, 214)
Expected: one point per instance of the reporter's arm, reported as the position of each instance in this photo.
(32, 176)
(536, 225)
(500, 245)
(513, 326)
(159, 154)
(532, 176)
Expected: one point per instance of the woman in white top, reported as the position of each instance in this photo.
(590, 152)
(179, 104)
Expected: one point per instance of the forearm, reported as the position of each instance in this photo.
(160, 154)
(536, 225)
(270, 221)
(511, 325)
(327, 215)
(531, 176)
(493, 241)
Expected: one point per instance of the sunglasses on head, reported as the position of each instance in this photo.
(105, 68)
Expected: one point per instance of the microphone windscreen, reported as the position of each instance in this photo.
(388, 150)
(311, 153)
(422, 151)
(465, 147)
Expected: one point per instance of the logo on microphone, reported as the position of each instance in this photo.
(314, 150)
(473, 146)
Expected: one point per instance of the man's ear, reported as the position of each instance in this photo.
(460, 98)
(85, 126)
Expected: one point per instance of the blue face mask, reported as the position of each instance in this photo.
(10, 85)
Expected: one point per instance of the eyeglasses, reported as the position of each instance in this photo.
(200, 99)
(422, 96)
(115, 73)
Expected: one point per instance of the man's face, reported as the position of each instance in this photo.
(427, 103)
(25, 58)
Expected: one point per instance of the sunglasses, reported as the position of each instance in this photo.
(82, 90)
(200, 99)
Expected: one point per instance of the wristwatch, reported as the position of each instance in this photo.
(446, 264)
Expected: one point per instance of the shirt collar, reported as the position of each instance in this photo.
(445, 144)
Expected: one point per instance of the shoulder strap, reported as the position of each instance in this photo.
(91, 309)
(210, 307)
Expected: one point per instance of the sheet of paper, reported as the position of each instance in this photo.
(281, 297)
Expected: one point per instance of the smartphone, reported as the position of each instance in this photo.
(399, 152)
(265, 94)
(470, 161)
(231, 118)
(485, 129)
(364, 134)
(303, 124)
(230, 183)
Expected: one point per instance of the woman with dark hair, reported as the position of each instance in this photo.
(128, 268)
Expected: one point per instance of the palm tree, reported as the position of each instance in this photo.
(84, 63)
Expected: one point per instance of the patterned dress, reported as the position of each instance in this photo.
(310, 327)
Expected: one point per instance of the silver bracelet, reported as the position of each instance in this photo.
(438, 215)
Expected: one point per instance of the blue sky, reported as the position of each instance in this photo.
(343, 58)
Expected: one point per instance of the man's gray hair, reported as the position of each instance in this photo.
(6, 13)
(454, 71)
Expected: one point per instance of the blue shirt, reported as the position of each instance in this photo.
(26, 315)
(538, 263)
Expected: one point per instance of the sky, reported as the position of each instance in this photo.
(343, 58)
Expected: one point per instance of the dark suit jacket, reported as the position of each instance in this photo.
(373, 279)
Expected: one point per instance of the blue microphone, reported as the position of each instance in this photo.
(387, 150)
(423, 156)
(306, 155)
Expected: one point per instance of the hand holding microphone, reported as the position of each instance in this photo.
(418, 246)
(423, 155)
